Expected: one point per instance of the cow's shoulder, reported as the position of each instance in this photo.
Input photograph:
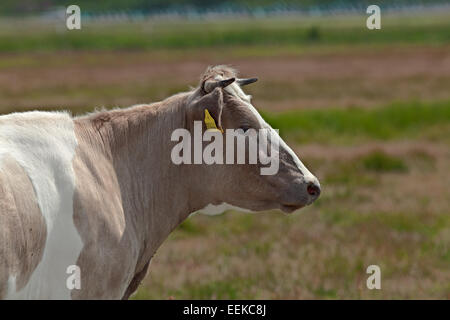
(110, 246)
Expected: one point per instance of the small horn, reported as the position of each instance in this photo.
(244, 82)
(210, 85)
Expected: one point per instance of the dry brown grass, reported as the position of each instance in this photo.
(397, 220)
(364, 78)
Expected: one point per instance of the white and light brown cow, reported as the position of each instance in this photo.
(101, 192)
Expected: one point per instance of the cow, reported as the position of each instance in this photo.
(98, 193)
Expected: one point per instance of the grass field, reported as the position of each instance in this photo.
(299, 31)
(367, 111)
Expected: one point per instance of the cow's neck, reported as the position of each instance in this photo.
(156, 194)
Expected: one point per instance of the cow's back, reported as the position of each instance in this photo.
(38, 238)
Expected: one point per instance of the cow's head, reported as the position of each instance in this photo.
(243, 185)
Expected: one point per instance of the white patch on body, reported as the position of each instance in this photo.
(11, 286)
(44, 143)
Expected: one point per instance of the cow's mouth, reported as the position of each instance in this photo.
(289, 208)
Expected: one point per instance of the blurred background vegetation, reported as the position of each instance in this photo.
(251, 7)
(368, 111)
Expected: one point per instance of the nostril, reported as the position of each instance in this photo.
(313, 189)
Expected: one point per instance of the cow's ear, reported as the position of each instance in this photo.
(213, 103)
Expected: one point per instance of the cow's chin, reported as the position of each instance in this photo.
(287, 208)
(260, 206)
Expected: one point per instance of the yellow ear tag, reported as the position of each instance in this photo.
(210, 123)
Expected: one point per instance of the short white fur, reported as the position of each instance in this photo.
(44, 143)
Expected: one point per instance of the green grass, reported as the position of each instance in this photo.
(298, 32)
(232, 288)
(325, 265)
(397, 120)
(365, 170)
(421, 223)
(188, 228)
(381, 162)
